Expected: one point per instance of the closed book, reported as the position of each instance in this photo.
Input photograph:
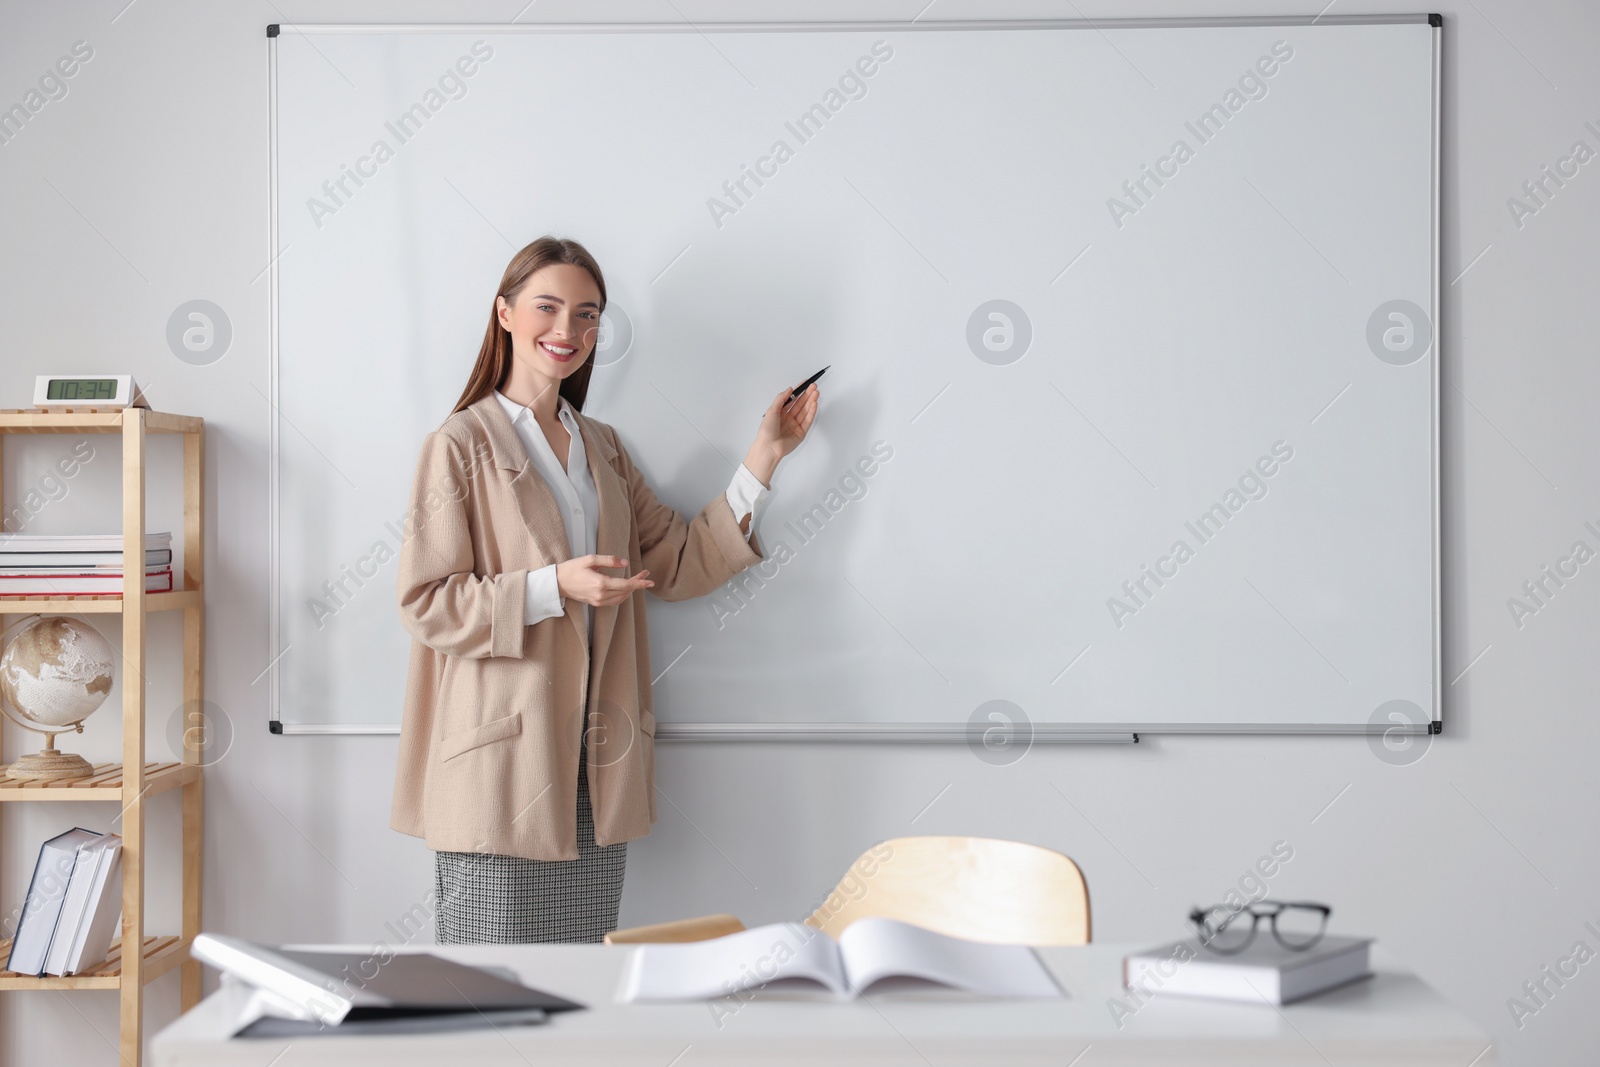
(75, 905)
(76, 562)
(47, 892)
(78, 542)
(102, 910)
(1264, 972)
(110, 584)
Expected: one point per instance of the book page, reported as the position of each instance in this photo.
(750, 959)
(877, 948)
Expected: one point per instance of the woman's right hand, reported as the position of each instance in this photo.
(581, 580)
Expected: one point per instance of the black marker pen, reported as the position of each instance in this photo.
(802, 387)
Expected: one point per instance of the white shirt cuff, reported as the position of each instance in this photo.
(543, 599)
(745, 495)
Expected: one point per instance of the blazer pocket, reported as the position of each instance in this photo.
(453, 745)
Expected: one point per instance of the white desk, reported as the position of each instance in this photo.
(1391, 1019)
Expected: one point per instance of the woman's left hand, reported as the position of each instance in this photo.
(782, 430)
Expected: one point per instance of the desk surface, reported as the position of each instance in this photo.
(1392, 1018)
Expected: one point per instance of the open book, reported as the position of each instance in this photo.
(869, 951)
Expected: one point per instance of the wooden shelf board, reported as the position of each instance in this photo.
(92, 420)
(96, 604)
(161, 954)
(104, 782)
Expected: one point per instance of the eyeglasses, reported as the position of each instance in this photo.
(1297, 924)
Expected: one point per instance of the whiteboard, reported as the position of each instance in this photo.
(1131, 422)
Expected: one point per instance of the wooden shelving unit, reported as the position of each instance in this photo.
(113, 783)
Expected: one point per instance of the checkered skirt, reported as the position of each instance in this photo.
(488, 898)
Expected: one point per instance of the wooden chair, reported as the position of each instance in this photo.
(702, 928)
(979, 888)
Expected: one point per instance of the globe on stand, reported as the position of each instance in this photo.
(54, 674)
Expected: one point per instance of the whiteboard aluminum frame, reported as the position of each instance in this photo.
(913, 732)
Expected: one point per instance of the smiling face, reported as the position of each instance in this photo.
(553, 320)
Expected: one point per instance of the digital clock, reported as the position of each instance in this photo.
(81, 391)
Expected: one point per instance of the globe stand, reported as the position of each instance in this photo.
(50, 765)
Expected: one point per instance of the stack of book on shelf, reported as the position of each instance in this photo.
(73, 905)
(78, 564)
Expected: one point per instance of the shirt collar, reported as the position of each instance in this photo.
(515, 411)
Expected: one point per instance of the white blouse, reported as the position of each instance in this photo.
(575, 494)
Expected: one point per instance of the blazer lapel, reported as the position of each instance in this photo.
(542, 515)
(611, 535)
(535, 502)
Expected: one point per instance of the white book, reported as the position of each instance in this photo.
(78, 562)
(74, 905)
(155, 581)
(77, 542)
(47, 892)
(869, 951)
(102, 911)
(1264, 972)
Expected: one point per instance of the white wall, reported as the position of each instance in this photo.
(146, 186)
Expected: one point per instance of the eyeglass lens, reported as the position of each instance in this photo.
(1298, 926)
(1226, 929)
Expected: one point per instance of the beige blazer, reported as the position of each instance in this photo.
(495, 708)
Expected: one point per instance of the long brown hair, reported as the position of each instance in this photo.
(494, 355)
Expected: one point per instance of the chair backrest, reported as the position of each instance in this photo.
(979, 888)
(702, 928)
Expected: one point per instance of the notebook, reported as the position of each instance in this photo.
(870, 951)
(307, 991)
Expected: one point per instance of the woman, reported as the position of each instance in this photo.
(527, 745)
